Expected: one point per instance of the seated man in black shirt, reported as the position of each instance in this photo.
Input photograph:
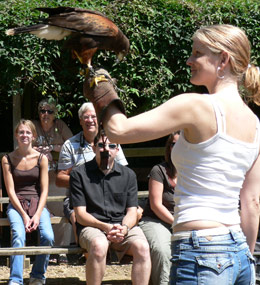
(105, 203)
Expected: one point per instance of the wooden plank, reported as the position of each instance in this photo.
(143, 194)
(4, 222)
(144, 151)
(5, 200)
(136, 152)
(17, 112)
(54, 220)
(36, 250)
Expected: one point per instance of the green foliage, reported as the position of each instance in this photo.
(160, 34)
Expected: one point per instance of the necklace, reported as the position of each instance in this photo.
(47, 138)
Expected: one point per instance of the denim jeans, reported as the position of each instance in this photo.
(18, 240)
(212, 260)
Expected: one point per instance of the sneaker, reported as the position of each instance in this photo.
(35, 281)
(62, 259)
(53, 258)
(13, 283)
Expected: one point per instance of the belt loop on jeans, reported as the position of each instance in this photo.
(195, 240)
(233, 234)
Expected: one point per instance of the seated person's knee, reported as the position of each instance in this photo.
(141, 247)
(99, 247)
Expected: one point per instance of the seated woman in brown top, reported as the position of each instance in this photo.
(158, 215)
(26, 179)
(51, 134)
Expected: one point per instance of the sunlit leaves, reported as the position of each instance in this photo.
(160, 34)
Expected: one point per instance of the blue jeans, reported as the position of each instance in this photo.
(215, 260)
(18, 240)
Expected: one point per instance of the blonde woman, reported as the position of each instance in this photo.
(25, 173)
(216, 157)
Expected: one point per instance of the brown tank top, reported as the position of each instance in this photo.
(26, 182)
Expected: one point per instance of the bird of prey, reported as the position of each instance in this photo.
(87, 32)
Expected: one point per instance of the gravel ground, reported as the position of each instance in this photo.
(73, 274)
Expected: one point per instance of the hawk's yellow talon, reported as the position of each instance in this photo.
(97, 79)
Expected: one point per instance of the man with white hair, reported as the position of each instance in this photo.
(78, 150)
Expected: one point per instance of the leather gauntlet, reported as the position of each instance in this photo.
(99, 88)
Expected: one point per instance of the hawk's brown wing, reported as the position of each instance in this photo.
(80, 21)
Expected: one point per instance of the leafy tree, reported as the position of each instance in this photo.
(160, 34)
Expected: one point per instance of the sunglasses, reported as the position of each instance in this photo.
(110, 145)
(43, 111)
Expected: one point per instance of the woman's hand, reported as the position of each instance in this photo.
(45, 150)
(26, 222)
(33, 224)
(56, 147)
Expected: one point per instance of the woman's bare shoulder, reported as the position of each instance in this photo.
(190, 98)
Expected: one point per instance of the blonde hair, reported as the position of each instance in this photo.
(233, 40)
(27, 123)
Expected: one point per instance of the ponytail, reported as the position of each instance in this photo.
(252, 83)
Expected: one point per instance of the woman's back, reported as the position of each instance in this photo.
(211, 173)
(239, 119)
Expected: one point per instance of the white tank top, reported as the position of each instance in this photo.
(211, 174)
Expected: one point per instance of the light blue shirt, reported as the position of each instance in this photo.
(76, 151)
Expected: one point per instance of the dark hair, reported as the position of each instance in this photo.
(96, 139)
(172, 172)
(98, 136)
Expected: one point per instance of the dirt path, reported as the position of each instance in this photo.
(74, 274)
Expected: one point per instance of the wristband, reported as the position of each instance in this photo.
(128, 229)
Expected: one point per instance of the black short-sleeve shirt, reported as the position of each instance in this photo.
(106, 196)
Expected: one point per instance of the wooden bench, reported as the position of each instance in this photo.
(55, 219)
(36, 250)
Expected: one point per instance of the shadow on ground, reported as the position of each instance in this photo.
(73, 281)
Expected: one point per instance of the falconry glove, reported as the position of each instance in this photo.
(101, 94)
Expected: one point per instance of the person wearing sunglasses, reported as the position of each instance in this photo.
(105, 203)
(52, 133)
(76, 151)
(158, 213)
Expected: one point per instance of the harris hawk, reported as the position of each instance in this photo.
(87, 32)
